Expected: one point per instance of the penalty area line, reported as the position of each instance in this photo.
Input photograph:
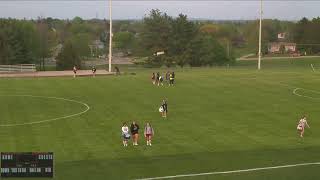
(231, 172)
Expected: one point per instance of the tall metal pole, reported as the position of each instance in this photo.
(260, 27)
(110, 34)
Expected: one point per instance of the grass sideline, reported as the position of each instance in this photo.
(219, 119)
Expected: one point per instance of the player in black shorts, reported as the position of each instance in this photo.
(165, 108)
(157, 78)
(173, 77)
(74, 71)
(117, 70)
(134, 128)
(94, 70)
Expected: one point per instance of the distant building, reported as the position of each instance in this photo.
(282, 36)
(282, 47)
(95, 46)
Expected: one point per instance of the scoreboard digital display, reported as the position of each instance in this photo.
(26, 164)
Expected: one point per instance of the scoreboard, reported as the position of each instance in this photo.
(27, 164)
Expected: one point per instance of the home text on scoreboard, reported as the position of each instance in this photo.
(27, 164)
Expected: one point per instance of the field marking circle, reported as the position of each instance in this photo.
(48, 120)
(295, 92)
(245, 170)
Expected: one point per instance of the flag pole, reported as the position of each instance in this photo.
(110, 34)
(260, 28)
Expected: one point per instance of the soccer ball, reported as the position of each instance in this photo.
(161, 109)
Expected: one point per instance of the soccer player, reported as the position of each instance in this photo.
(171, 79)
(168, 77)
(94, 71)
(134, 128)
(157, 78)
(160, 81)
(301, 125)
(148, 133)
(125, 134)
(165, 108)
(74, 71)
(161, 110)
(117, 70)
(153, 77)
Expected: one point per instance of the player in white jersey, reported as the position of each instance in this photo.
(302, 124)
(125, 134)
(74, 71)
(148, 133)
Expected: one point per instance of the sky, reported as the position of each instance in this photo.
(121, 9)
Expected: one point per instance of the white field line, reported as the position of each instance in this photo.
(232, 172)
(48, 120)
(312, 67)
(245, 170)
(297, 94)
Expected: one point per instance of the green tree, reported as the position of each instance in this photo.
(20, 43)
(183, 31)
(205, 50)
(306, 34)
(81, 43)
(123, 41)
(43, 38)
(156, 32)
(6, 53)
(68, 57)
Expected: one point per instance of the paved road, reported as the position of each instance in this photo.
(246, 57)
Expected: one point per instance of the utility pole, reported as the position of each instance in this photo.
(260, 28)
(110, 34)
(228, 49)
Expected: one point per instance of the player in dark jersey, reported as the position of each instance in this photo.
(173, 77)
(168, 77)
(157, 78)
(117, 70)
(165, 108)
(171, 80)
(134, 129)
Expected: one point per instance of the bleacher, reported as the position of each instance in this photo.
(18, 68)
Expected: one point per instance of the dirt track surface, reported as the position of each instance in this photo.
(55, 74)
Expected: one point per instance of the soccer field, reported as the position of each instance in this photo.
(219, 120)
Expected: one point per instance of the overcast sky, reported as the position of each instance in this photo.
(286, 10)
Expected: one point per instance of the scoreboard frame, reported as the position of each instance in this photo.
(27, 164)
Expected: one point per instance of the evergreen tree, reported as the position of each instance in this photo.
(68, 57)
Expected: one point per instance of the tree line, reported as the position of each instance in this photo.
(182, 41)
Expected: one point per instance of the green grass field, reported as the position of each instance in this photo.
(219, 120)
